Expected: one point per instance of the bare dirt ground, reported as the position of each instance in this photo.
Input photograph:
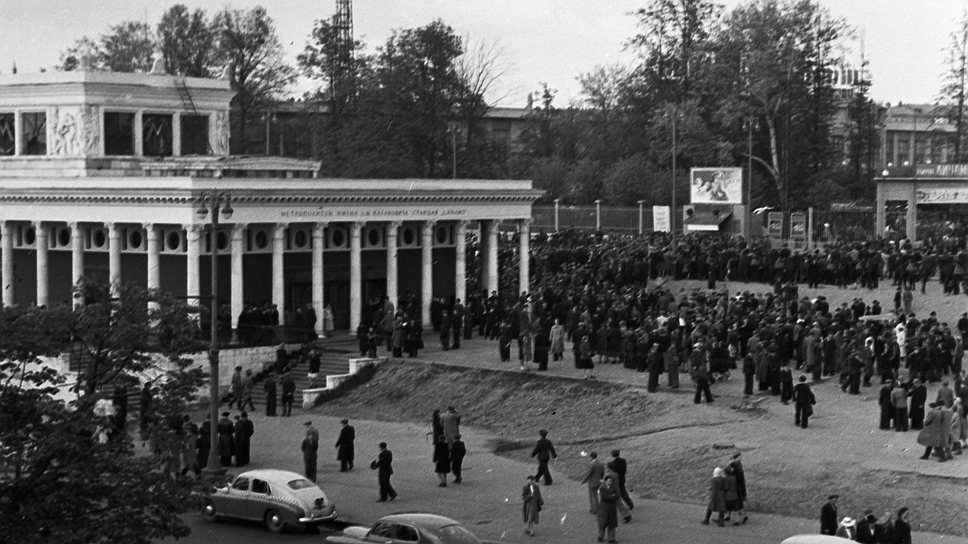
(672, 444)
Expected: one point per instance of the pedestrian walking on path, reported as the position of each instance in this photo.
(270, 388)
(544, 450)
(532, 503)
(288, 393)
(457, 452)
(828, 516)
(441, 460)
(717, 497)
(608, 499)
(383, 464)
(310, 447)
(345, 447)
(593, 477)
(803, 400)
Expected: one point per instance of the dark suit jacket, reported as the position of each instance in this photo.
(383, 463)
(802, 395)
(619, 466)
(828, 519)
(867, 531)
(544, 450)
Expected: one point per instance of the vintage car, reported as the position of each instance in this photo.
(407, 528)
(278, 498)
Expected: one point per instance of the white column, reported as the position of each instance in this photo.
(237, 276)
(114, 257)
(77, 252)
(139, 143)
(6, 260)
(42, 268)
(154, 268)
(319, 242)
(193, 282)
(356, 276)
(492, 277)
(524, 255)
(426, 271)
(460, 260)
(18, 135)
(392, 276)
(77, 258)
(278, 270)
(176, 150)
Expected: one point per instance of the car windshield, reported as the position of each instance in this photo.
(301, 483)
(458, 534)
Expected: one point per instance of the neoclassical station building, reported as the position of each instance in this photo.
(103, 175)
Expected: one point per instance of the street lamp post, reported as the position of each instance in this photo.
(675, 116)
(212, 204)
(750, 124)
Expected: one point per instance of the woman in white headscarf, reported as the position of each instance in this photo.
(717, 497)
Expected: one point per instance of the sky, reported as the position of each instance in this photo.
(551, 41)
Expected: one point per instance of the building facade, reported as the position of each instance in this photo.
(103, 175)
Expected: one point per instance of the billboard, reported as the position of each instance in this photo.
(661, 218)
(716, 185)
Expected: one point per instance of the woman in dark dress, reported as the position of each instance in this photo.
(902, 529)
(442, 460)
(608, 497)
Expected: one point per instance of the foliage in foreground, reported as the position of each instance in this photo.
(68, 472)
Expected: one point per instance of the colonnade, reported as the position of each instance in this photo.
(193, 251)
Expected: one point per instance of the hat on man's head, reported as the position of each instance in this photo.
(848, 522)
(225, 414)
(308, 423)
(832, 497)
(344, 421)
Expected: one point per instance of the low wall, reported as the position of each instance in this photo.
(332, 382)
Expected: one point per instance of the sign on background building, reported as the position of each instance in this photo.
(661, 219)
(774, 225)
(716, 185)
(941, 196)
(798, 226)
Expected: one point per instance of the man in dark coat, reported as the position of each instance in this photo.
(544, 450)
(225, 431)
(244, 429)
(457, 452)
(619, 466)
(384, 467)
(204, 441)
(740, 473)
(270, 388)
(309, 447)
(867, 528)
(804, 400)
(887, 406)
(344, 446)
(288, 393)
(919, 396)
(828, 516)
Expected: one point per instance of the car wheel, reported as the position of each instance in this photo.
(274, 521)
(208, 510)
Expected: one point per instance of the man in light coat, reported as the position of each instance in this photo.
(593, 477)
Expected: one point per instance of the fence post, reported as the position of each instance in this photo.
(598, 216)
(810, 228)
(641, 220)
(557, 203)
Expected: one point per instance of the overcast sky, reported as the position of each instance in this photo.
(543, 40)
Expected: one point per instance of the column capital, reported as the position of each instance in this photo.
(525, 222)
(192, 230)
(279, 230)
(463, 223)
(75, 226)
(395, 224)
(356, 227)
(237, 229)
(319, 228)
(149, 227)
(429, 223)
(38, 224)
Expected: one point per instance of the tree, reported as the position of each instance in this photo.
(126, 47)
(187, 41)
(61, 478)
(248, 42)
(954, 87)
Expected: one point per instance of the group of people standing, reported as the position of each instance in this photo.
(889, 529)
(727, 493)
(449, 449)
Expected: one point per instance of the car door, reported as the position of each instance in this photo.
(259, 498)
(380, 532)
(232, 501)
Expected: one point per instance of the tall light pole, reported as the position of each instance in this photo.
(212, 204)
(675, 117)
(750, 124)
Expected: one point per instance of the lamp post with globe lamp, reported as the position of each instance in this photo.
(214, 203)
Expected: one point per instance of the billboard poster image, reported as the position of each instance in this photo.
(716, 185)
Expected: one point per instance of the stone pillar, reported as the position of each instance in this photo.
(392, 277)
(194, 249)
(426, 272)
(237, 277)
(176, 150)
(6, 261)
(154, 262)
(460, 261)
(77, 257)
(524, 256)
(42, 267)
(319, 242)
(114, 257)
(139, 133)
(492, 277)
(356, 276)
(278, 271)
